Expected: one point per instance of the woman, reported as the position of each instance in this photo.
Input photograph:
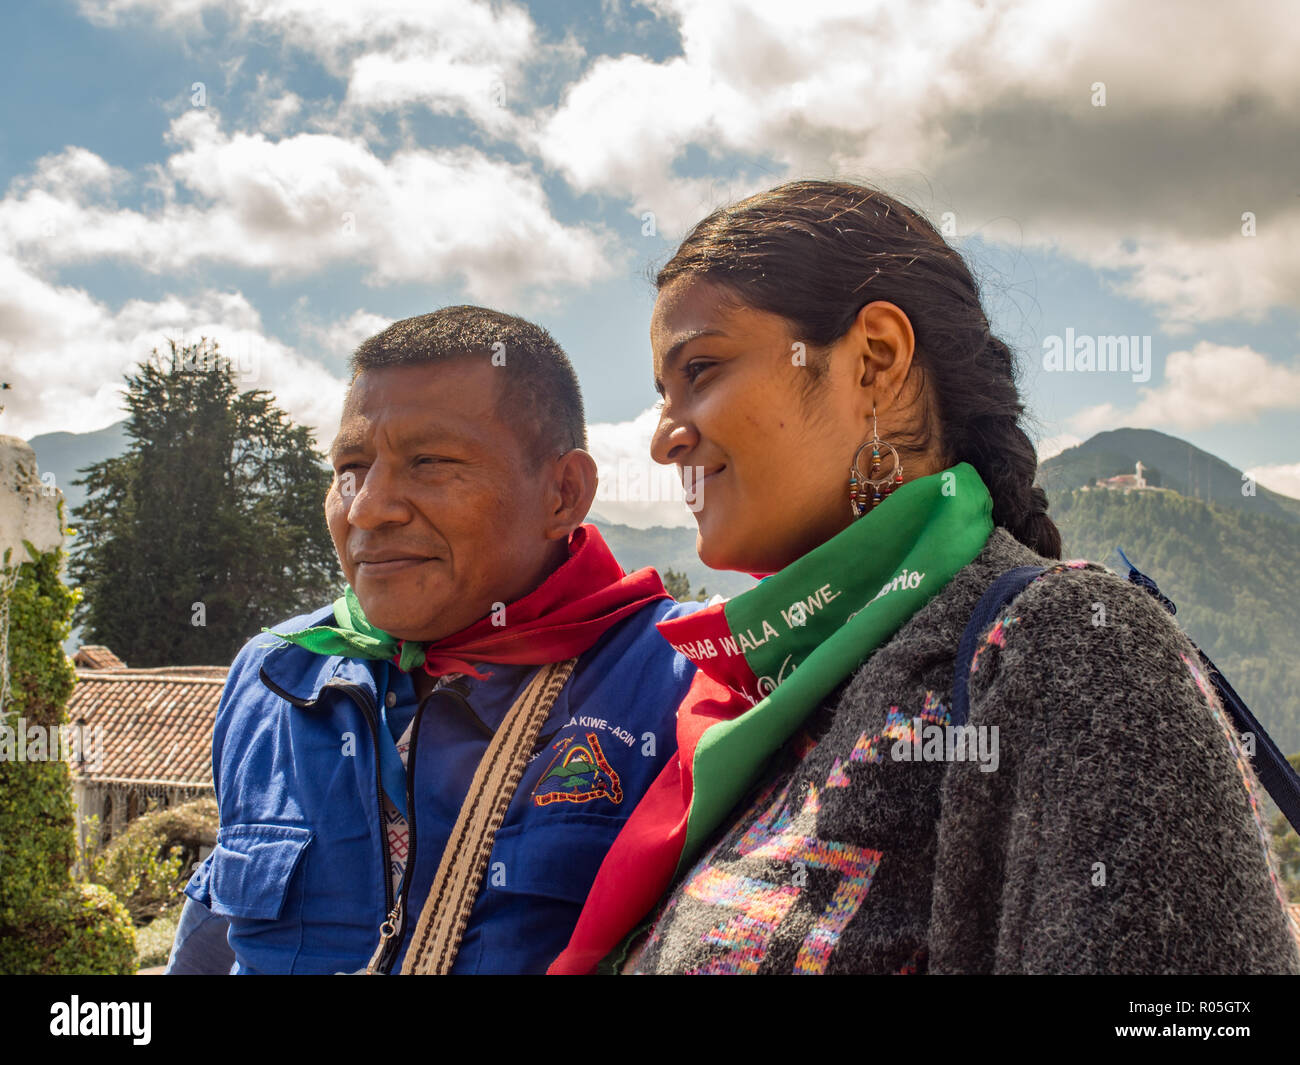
(847, 423)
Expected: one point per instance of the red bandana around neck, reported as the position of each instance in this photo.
(561, 618)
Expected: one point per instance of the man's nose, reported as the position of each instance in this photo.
(378, 499)
(674, 437)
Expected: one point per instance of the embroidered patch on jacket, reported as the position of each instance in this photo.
(579, 772)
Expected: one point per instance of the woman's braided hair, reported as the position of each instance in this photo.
(816, 252)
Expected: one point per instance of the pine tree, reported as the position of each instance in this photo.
(210, 526)
(677, 584)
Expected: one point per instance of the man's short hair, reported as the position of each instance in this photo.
(540, 392)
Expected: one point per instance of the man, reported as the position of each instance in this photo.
(347, 740)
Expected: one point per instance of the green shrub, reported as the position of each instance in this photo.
(48, 923)
(153, 942)
(141, 870)
(149, 862)
(82, 931)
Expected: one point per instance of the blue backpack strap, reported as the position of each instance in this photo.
(995, 597)
(1274, 771)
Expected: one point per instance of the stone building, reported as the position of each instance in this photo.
(1126, 482)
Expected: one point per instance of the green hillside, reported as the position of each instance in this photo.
(1169, 463)
(1234, 573)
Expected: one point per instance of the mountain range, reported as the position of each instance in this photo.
(1169, 463)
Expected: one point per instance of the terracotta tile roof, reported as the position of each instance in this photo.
(96, 656)
(157, 723)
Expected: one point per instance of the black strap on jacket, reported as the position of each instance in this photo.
(1280, 780)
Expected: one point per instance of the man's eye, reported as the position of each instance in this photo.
(695, 367)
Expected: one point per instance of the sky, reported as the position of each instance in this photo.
(290, 176)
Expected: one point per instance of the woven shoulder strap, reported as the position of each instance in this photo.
(456, 885)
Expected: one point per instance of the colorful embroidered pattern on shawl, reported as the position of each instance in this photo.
(777, 834)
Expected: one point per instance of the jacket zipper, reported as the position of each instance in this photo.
(391, 940)
(388, 950)
(393, 929)
(391, 945)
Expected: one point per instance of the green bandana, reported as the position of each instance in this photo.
(355, 637)
(787, 643)
(766, 659)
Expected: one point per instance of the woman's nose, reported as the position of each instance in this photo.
(674, 438)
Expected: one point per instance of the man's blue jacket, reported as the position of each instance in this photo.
(301, 867)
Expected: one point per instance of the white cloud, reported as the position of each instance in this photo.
(623, 124)
(449, 56)
(66, 354)
(1191, 279)
(293, 206)
(342, 336)
(420, 72)
(981, 108)
(273, 107)
(986, 110)
(1209, 385)
(1054, 445)
(634, 489)
(1094, 419)
(75, 173)
(1284, 478)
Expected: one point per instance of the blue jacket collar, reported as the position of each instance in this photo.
(299, 674)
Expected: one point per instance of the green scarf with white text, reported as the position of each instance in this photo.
(767, 658)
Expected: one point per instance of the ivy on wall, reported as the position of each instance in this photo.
(49, 923)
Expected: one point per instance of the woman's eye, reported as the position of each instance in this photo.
(695, 367)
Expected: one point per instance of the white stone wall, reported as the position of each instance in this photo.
(28, 508)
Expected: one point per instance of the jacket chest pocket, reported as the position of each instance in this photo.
(249, 880)
(534, 887)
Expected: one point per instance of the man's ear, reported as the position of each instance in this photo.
(574, 480)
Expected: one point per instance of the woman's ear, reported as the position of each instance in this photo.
(574, 480)
(885, 344)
